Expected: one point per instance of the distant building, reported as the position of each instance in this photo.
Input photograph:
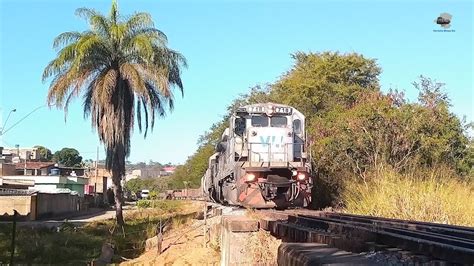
(18, 154)
(136, 173)
(143, 173)
(167, 170)
(7, 169)
(45, 177)
(34, 168)
(100, 178)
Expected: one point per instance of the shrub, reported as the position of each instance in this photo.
(144, 203)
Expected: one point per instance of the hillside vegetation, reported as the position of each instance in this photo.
(355, 128)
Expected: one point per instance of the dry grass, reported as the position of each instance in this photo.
(81, 245)
(254, 215)
(263, 248)
(433, 196)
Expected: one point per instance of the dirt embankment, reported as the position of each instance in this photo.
(182, 245)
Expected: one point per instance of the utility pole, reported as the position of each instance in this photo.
(97, 164)
(97, 173)
(2, 129)
(26, 156)
(5, 130)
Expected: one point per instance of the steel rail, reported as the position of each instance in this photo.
(430, 244)
(452, 230)
(457, 236)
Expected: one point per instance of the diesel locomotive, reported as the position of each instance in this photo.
(261, 160)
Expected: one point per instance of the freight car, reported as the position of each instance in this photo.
(261, 160)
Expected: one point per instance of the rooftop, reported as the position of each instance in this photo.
(33, 165)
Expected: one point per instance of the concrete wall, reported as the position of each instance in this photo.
(49, 205)
(39, 179)
(24, 205)
(235, 235)
(38, 206)
(7, 169)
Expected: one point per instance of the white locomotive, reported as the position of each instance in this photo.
(261, 160)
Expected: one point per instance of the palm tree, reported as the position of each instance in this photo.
(121, 66)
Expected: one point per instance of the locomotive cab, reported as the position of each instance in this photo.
(262, 159)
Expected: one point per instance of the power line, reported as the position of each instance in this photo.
(19, 121)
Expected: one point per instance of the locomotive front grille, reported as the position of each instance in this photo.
(278, 180)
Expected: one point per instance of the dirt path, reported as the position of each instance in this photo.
(181, 246)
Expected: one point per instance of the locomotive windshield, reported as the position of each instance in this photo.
(259, 121)
(278, 121)
(263, 121)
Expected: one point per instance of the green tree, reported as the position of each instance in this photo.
(134, 185)
(123, 67)
(321, 82)
(353, 128)
(68, 157)
(45, 153)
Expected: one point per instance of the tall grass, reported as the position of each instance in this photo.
(436, 195)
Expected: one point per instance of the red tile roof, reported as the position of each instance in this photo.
(169, 168)
(34, 165)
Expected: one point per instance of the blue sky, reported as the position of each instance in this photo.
(230, 46)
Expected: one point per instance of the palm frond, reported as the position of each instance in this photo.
(66, 38)
(123, 68)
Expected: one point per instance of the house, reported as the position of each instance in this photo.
(143, 172)
(100, 178)
(34, 168)
(136, 173)
(21, 153)
(46, 177)
(167, 170)
(7, 169)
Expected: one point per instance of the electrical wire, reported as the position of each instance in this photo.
(19, 121)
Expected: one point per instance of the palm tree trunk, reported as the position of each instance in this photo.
(118, 196)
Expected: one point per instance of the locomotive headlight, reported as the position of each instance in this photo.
(294, 172)
(301, 177)
(250, 177)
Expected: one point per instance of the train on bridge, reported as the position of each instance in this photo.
(261, 160)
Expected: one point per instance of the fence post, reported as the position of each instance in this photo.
(12, 249)
(159, 238)
(205, 224)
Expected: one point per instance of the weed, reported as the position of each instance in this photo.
(263, 248)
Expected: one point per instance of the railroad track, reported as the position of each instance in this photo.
(424, 241)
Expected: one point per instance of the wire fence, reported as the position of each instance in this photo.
(128, 243)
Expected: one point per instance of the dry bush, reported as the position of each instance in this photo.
(263, 248)
(436, 195)
(254, 215)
